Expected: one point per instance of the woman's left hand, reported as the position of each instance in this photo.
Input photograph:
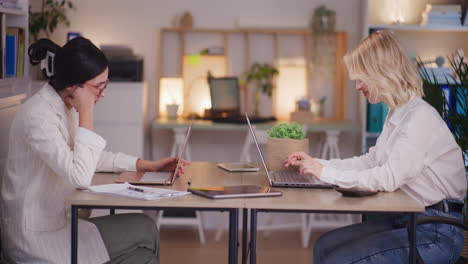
(305, 163)
(167, 164)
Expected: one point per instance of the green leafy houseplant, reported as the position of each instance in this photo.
(262, 75)
(292, 131)
(51, 14)
(456, 117)
(283, 140)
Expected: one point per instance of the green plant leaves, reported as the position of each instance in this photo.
(291, 131)
(456, 117)
(262, 74)
(52, 14)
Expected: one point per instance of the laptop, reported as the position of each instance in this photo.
(287, 178)
(155, 178)
(225, 102)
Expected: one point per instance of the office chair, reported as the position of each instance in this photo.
(422, 220)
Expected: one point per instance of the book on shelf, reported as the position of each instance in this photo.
(439, 74)
(442, 15)
(14, 52)
(9, 4)
(376, 115)
(445, 8)
(465, 19)
(11, 53)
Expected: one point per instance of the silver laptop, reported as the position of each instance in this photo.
(157, 178)
(287, 178)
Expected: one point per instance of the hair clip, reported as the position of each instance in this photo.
(48, 64)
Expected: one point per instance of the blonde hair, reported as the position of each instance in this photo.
(380, 62)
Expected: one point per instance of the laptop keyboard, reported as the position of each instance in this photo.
(290, 176)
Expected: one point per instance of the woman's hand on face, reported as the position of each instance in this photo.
(82, 99)
(167, 164)
(305, 163)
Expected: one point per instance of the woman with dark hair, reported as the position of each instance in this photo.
(52, 151)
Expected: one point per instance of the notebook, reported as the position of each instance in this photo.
(237, 191)
(134, 192)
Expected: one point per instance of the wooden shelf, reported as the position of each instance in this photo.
(291, 31)
(435, 28)
(339, 93)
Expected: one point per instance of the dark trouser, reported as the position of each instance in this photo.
(129, 238)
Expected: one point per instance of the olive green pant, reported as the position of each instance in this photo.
(129, 238)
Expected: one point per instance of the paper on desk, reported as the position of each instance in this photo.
(121, 189)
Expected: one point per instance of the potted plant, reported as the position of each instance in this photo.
(262, 75)
(455, 116)
(51, 14)
(283, 140)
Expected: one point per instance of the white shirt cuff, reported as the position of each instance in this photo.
(87, 136)
(124, 162)
(328, 174)
(323, 162)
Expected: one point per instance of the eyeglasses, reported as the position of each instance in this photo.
(100, 86)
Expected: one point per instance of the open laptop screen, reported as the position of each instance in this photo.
(224, 93)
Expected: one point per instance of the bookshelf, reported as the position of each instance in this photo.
(425, 42)
(15, 18)
(238, 45)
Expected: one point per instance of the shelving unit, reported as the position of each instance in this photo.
(15, 17)
(246, 38)
(425, 42)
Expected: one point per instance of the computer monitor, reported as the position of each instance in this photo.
(224, 94)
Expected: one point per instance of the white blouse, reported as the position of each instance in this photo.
(49, 157)
(415, 152)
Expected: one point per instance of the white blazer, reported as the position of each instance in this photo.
(49, 157)
(415, 152)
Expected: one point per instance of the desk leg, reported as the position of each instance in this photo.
(233, 235)
(245, 216)
(253, 236)
(74, 234)
(330, 147)
(412, 238)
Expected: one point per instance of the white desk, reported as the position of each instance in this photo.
(201, 173)
(206, 174)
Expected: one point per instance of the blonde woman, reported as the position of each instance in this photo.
(416, 152)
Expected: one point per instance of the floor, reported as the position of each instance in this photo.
(181, 245)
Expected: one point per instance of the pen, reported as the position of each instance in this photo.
(136, 189)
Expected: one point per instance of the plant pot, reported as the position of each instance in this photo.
(172, 111)
(278, 150)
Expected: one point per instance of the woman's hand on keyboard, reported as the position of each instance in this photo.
(167, 164)
(305, 163)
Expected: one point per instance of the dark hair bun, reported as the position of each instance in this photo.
(38, 50)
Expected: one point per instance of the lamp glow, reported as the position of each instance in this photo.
(292, 82)
(171, 91)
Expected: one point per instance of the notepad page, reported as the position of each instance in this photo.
(121, 189)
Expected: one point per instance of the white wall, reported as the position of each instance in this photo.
(137, 24)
